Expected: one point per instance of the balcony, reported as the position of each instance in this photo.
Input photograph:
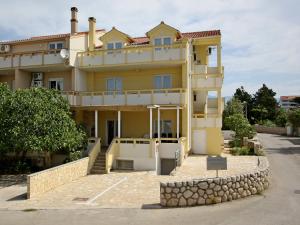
(126, 98)
(37, 58)
(132, 55)
(204, 121)
(206, 77)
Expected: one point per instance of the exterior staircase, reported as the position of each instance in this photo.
(99, 166)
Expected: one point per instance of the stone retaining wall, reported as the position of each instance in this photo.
(270, 130)
(215, 190)
(46, 180)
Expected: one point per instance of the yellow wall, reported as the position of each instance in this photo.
(214, 141)
(7, 79)
(134, 80)
(22, 79)
(202, 54)
(34, 46)
(162, 30)
(66, 75)
(114, 35)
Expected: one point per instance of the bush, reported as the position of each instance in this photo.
(241, 126)
(242, 151)
(268, 123)
(281, 118)
(294, 117)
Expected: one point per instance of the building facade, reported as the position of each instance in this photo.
(150, 99)
(288, 102)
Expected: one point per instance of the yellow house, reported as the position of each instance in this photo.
(151, 100)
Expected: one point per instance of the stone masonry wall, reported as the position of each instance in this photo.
(46, 180)
(270, 130)
(215, 190)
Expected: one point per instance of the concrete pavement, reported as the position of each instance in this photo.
(280, 205)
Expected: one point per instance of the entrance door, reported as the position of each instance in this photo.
(112, 130)
(199, 142)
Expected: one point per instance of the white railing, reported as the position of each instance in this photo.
(37, 58)
(206, 70)
(206, 121)
(130, 97)
(132, 54)
(207, 81)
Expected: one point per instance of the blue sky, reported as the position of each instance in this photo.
(261, 38)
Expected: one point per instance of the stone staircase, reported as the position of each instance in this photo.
(99, 166)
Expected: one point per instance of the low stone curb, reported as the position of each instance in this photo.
(215, 190)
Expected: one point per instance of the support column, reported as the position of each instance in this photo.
(219, 61)
(119, 124)
(96, 123)
(158, 123)
(150, 134)
(219, 102)
(177, 128)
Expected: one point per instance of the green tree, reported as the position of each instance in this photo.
(281, 118)
(246, 99)
(233, 106)
(294, 117)
(265, 104)
(241, 126)
(38, 120)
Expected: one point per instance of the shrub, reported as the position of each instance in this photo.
(268, 123)
(281, 118)
(241, 126)
(294, 117)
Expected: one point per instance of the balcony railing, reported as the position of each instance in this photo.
(206, 81)
(204, 69)
(203, 121)
(26, 59)
(174, 96)
(132, 55)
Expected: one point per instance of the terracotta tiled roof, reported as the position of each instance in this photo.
(141, 40)
(46, 37)
(200, 34)
(290, 97)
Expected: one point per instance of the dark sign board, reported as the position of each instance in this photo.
(216, 163)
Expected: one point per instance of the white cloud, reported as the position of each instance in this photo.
(259, 36)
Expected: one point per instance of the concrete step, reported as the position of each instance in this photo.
(93, 171)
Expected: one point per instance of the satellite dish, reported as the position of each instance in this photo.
(64, 54)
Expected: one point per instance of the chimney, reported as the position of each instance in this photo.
(92, 33)
(74, 21)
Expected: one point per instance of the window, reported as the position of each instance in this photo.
(167, 41)
(110, 46)
(118, 45)
(56, 83)
(114, 84)
(162, 41)
(56, 45)
(162, 81)
(114, 45)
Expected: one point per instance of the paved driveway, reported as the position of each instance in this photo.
(280, 205)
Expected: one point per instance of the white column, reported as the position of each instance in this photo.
(219, 60)
(96, 123)
(150, 135)
(158, 123)
(178, 125)
(119, 124)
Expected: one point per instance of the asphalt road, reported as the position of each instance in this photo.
(280, 205)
